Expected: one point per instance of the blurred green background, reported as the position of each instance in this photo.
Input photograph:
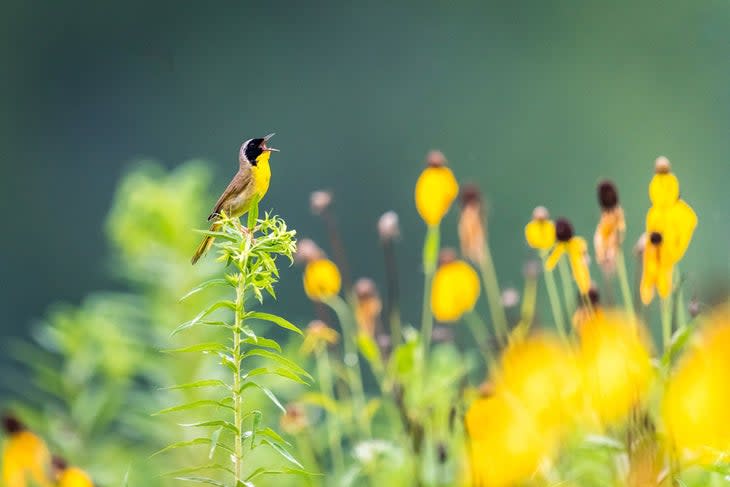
(533, 100)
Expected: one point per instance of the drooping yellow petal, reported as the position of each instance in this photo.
(74, 477)
(555, 255)
(665, 270)
(683, 221)
(577, 253)
(321, 279)
(664, 189)
(25, 458)
(616, 364)
(436, 189)
(540, 234)
(649, 273)
(697, 397)
(455, 291)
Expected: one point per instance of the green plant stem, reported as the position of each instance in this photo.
(666, 305)
(479, 330)
(680, 305)
(430, 259)
(393, 313)
(494, 296)
(567, 281)
(237, 399)
(554, 299)
(334, 435)
(351, 359)
(623, 280)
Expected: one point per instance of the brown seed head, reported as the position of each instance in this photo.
(58, 464)
(470, 194)
(563, 230)
(319, 201)
(486, 389)
(540, 213)
(655, 238)
(607, 195)
(594, 296)
(12, 425)
(388, 227)
(447, 255)
(435, 158)
(662, 165)
(307, 251)
(365, 288)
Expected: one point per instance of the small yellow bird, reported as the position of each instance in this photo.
(250, 182)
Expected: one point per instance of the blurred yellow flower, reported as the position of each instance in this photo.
(25, 457)
(577, 250)
(697, 398)
(664, 186)
(611, 228)
(676, 223)
(540, 231)
(317, 336)
(74, 477)
(658, 267)
(542, 375)
(436, 189)
(321, 279)
(455, 290)
(506, 445)
(616, 365)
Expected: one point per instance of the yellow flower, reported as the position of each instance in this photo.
(616, 365)
(697, 397)
(664, 186)
(577, 250)
(611, 228)
(25, 457)
(436, 189)
(321, 279)
(658, 267)
(455, 290)
(472, 228)
(507, 446)
(542, 375)
(676, 223)
(317, 336)
(540, 232)
(74, 477)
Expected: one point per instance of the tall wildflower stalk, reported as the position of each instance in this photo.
(237, 429)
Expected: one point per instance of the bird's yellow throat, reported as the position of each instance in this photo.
(261, 174)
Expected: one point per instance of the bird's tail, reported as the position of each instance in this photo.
(204, 245)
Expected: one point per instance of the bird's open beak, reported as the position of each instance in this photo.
(266, 139)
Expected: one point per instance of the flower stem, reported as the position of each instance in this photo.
(666, 305)
(392, 307)
(567, 282)
(351, 359)
(479, 330)
(491, 286)
(554, 300)
(430, 259)
(237, 399)
(623, 280)
(334, 435)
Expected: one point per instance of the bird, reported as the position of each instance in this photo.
(250, 184)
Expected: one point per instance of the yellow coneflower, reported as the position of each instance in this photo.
(540, 231)
(587, 311)
(577, 251)
(318, 336)
(321, 279)
(676, 223)
(697, 397)
(616, 365)
(436, 189)
(658, 267)
(506, 443)
(25, 456)
(472, 228)
(67, 476)
(664, 186)
(367, 306)
(611, 228)
(455, 290)
(294, 420)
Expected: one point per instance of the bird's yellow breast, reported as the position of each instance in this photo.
(261, 175)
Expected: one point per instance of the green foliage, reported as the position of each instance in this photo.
(250, 254)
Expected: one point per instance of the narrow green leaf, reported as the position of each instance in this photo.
(182, 444)
(281, 451)
(189, 470)
(273, 435)
(280, 359)
(197, 384)
(201, 480)
(280, 471)
(203, 314)
(207, 424)
(277, 320)
(266, 391)
(214, 437)
(205, 285)
(193, 405)
(210, 347)
(263, 342)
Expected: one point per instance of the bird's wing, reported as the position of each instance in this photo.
(239, 182)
